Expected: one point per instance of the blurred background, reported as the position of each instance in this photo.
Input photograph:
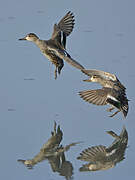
(31, 99)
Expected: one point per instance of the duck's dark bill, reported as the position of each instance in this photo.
(22, 38)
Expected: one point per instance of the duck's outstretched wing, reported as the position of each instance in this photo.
(72, 62)
(102, 74)
(97, 97)
(63, 28)
(66, 24)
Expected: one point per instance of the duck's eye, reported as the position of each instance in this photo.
(30, 35)
(94, 76)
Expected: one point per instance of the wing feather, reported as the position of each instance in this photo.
(63, 28)
(93, 154)
(98, 96)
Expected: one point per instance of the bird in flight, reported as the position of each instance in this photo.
(112, 92)
(55, 48)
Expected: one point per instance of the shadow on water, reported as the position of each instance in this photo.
(54, 153)
(103, 158)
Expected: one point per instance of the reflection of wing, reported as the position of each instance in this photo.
(98, 96)
(119, 140)
(66, 148)
(60, 165)
(54, 140)
(102, 74)
(56, 162)
(66, 170)
(99, 158)
(63, 29)
(119, 145)
(58, 150)
(102, 158)
(113, 134)
(64, 55)
(94, 154)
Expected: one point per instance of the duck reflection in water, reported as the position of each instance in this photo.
(54, 153)
(101, 157)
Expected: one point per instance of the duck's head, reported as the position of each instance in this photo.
(93, 78)
(30, 37)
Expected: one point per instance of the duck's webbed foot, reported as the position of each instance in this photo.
(115, 113)
(110, 109)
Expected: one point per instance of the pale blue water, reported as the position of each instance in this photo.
(103, 38)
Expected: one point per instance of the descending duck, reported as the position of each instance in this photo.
(113, 92)
(103, 158)
(55, 48)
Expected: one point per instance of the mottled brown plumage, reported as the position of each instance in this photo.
(55, 48)
(113, 92)
(54, 153)
(101, 157)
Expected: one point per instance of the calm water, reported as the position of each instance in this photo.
(30, 98)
